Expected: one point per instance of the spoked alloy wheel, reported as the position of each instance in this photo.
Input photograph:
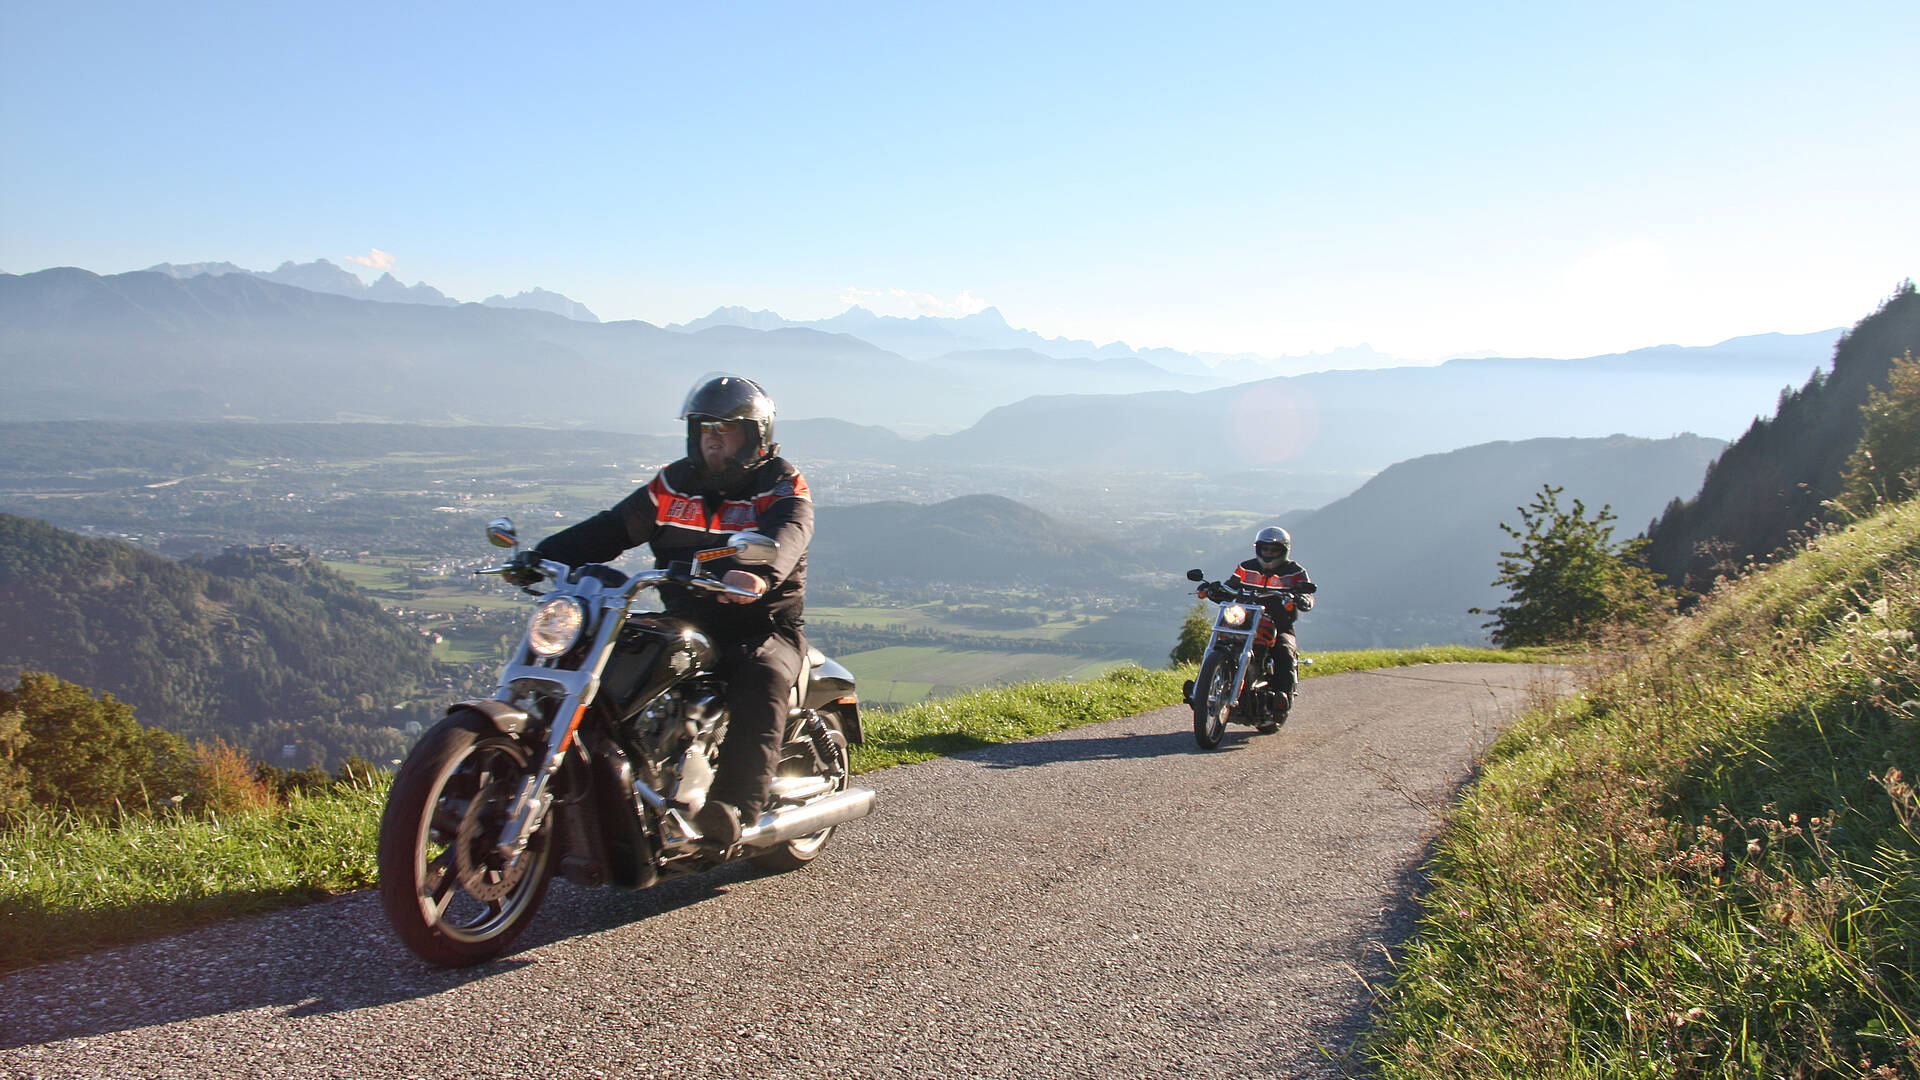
(1211, 692)
(801, 850)
(451, 897)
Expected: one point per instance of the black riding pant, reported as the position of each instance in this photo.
(1284, 649)
(760, 671)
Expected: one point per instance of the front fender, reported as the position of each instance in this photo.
(505, 718)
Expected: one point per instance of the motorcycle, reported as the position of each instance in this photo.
(1234, 683)
(592, 758)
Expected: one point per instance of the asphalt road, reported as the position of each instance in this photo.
(1105, 902)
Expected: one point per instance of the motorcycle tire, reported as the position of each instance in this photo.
(446, 892)
(1211, 692)
(801, 850)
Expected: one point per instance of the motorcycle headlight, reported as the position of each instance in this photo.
(1234, 615)
(556, 625)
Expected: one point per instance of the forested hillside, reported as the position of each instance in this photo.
(266, 649)
(1775, 478)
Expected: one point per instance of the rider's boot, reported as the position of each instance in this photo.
(719, 823)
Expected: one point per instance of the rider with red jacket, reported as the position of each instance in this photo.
(731, 480)
(1271, 568)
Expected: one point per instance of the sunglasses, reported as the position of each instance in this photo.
(722, 427)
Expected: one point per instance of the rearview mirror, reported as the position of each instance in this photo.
(754, 549)
(500, 533)
(1196, 575)
(1306, 587)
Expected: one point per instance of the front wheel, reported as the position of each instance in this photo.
(452, 898)
(1212, 690)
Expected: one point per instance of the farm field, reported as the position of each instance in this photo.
(906, 674)
(1052, 624)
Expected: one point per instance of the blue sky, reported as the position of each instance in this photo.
(1275, 179)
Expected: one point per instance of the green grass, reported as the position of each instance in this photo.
(1706, 865)
(68, 886)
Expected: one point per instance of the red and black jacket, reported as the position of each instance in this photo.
(676, 520)
(1288, 575)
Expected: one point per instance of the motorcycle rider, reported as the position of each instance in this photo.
(1272, 567)
(732, 479)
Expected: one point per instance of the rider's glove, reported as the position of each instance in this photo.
(523, 569)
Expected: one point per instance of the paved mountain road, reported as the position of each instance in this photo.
(1103, 902)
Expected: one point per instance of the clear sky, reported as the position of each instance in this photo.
(1430, 179)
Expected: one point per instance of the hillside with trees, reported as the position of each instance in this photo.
(264, 647)
(1775, 479)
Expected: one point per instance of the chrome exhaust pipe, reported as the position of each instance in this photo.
(777, 827)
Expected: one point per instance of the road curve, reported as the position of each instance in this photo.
(1103, 902)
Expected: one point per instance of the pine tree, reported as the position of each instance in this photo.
(1194, 632)
(1885, 467)
(1568, 581)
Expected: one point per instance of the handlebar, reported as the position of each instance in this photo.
(644, 579)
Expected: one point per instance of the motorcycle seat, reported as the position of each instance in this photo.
(797, 697)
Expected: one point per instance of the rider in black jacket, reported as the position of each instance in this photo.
(730, 480)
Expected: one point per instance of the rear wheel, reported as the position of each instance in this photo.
(798, 852)
(452, 898)
(1212, 690)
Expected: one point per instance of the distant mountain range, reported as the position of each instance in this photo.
(150, 345)
(324, 277)
(927, 337)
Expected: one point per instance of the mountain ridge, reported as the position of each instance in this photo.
(323, 276)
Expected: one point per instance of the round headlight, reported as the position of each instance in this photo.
(556, 625)
(1233, 615)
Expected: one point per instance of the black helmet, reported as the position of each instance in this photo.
(1271, 546)
(730, 397)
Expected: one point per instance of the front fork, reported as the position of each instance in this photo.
(578, 687)
(1243, 655)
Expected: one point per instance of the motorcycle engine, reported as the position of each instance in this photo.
(679, 734)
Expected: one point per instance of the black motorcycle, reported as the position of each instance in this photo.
(1235, 683)
(592, 758)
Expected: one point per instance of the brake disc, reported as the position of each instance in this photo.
(482, 874)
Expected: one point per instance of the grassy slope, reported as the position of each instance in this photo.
(1707, 864)
(68, 886)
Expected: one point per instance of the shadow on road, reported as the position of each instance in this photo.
(1109, 748)
(333, 957)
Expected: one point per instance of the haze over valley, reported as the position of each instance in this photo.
(986, 513)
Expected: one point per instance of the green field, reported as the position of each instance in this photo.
(1057, 624)
(905, 674)
(370, 576)
(468, 649)
(390, 584)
